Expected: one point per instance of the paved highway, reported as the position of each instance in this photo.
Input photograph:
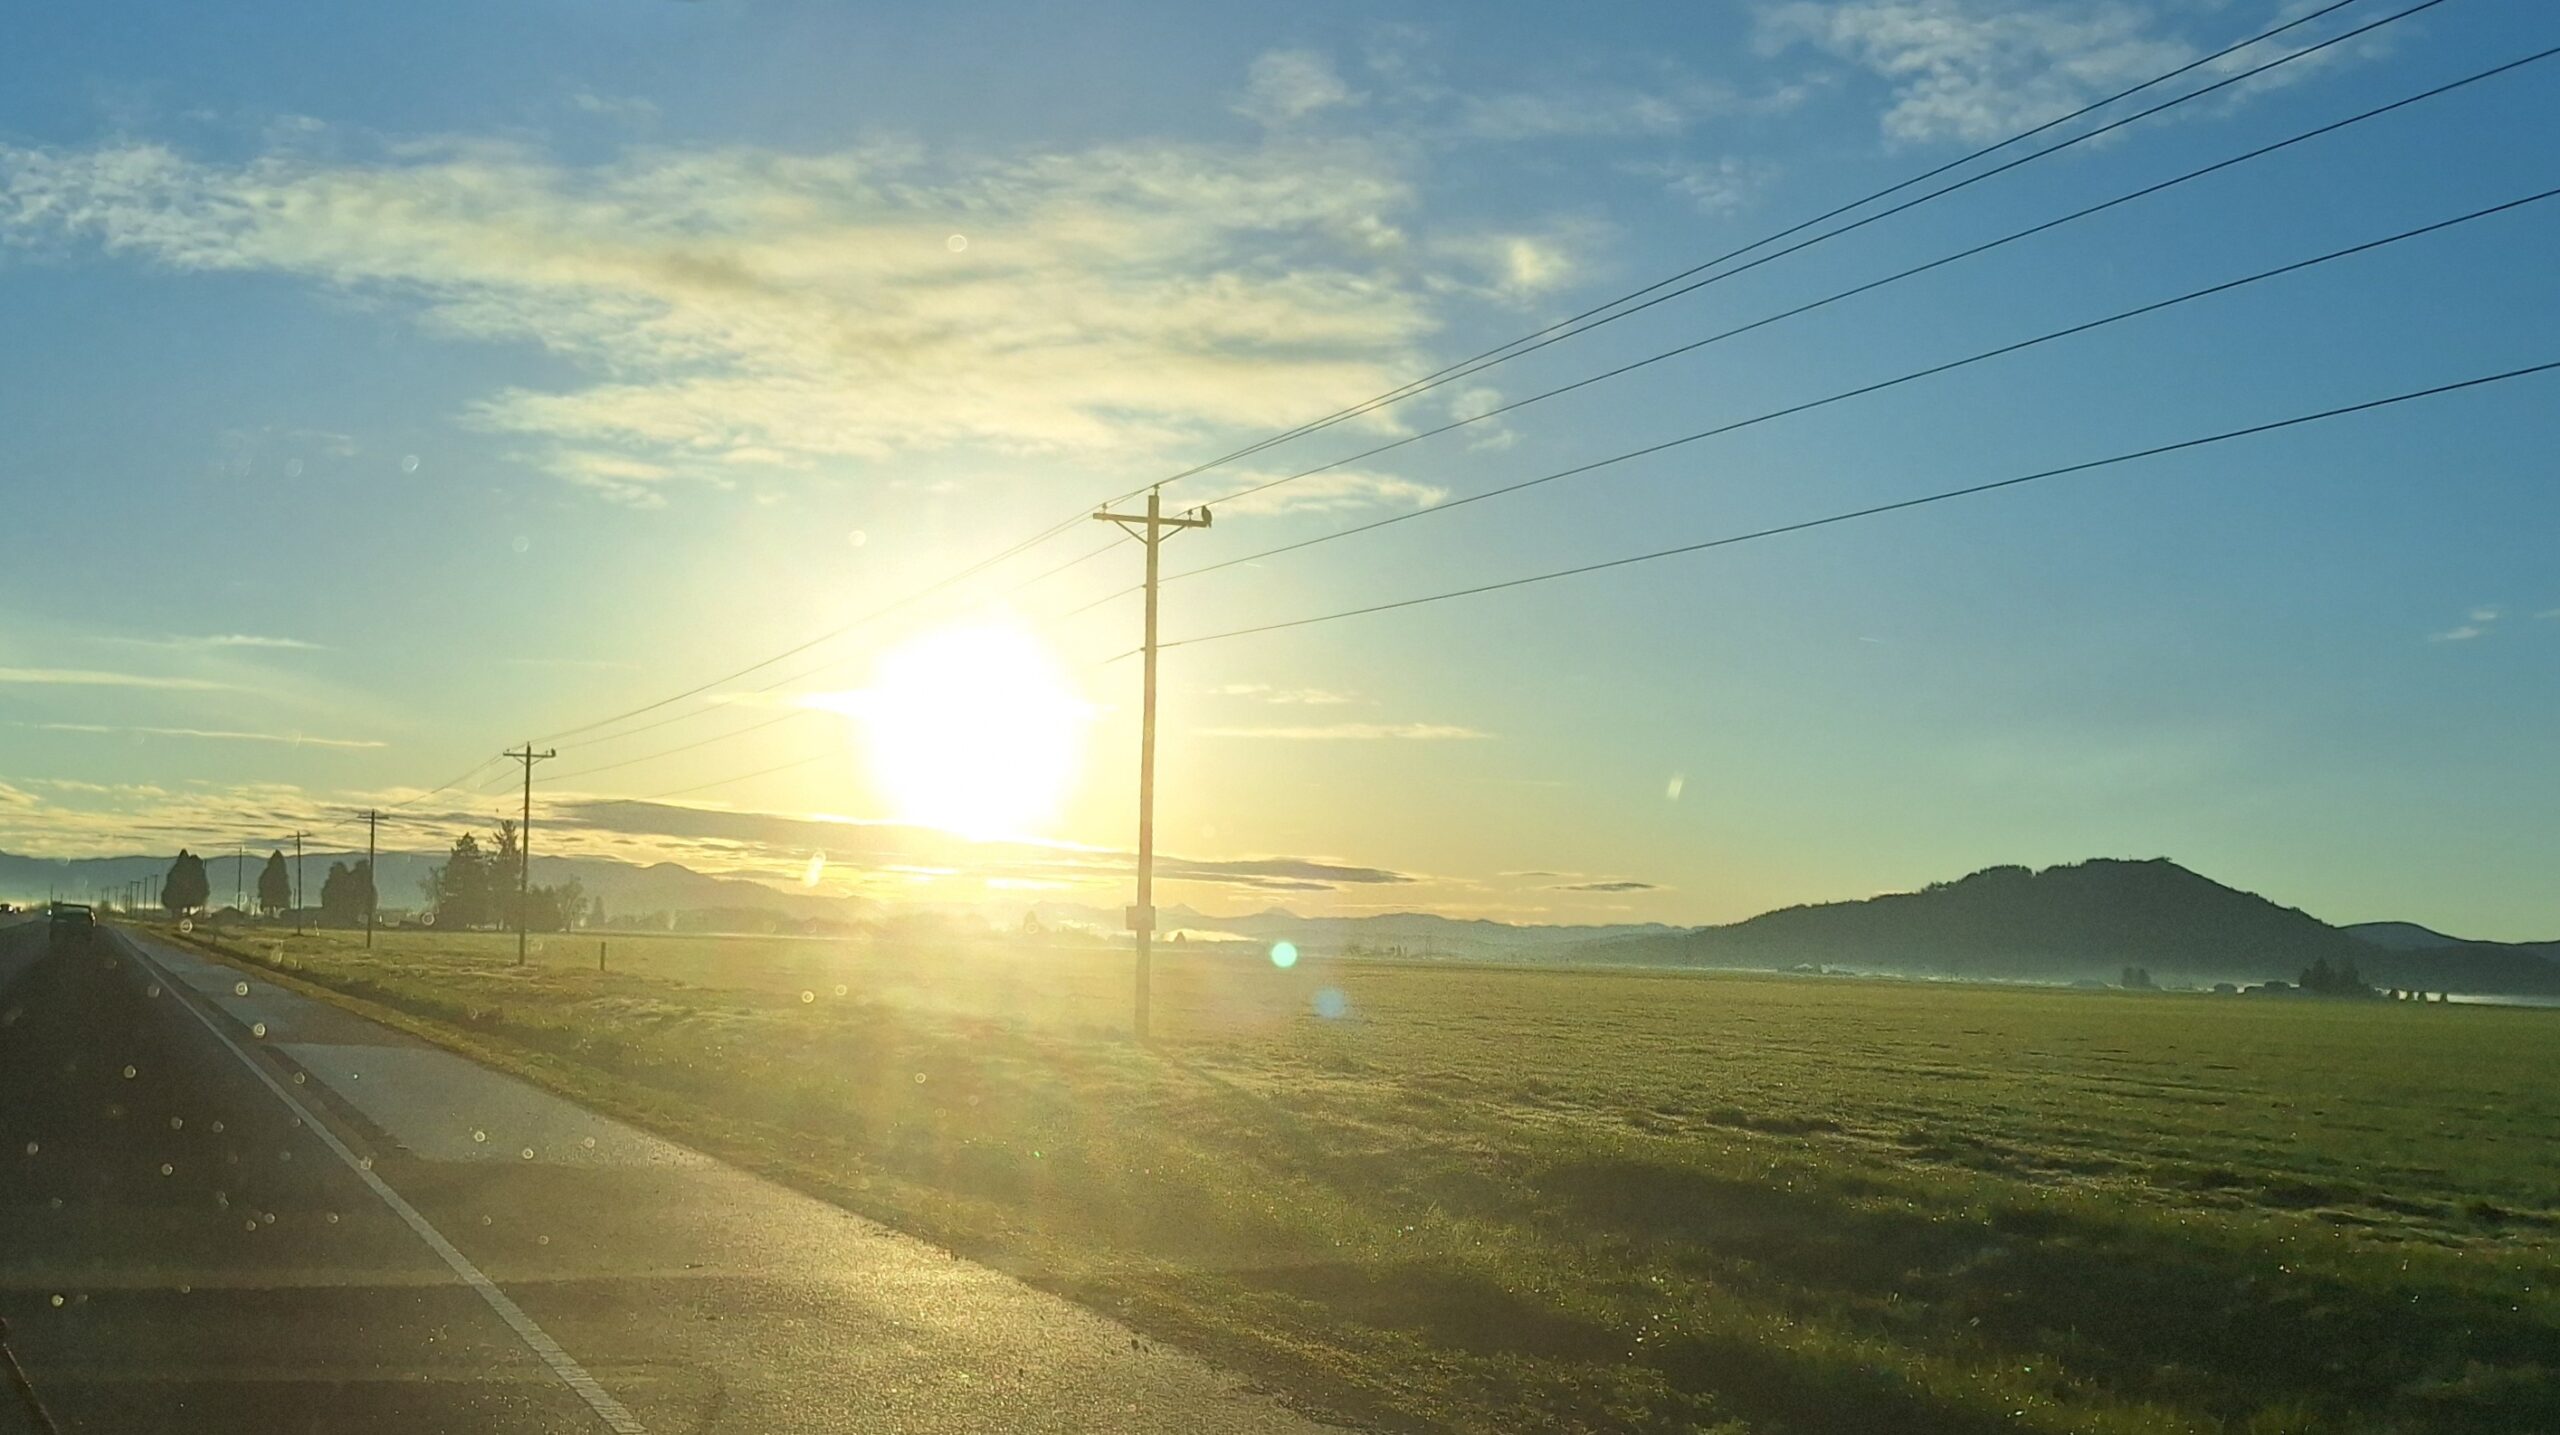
(224, 1207)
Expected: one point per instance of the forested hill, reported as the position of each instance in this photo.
(2086, 921)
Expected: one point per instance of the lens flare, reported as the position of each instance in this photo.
(1284, 955)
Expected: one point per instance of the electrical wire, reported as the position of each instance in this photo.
(1537, 339)
(2154, 307)
(1969, 180)
(1876, 509)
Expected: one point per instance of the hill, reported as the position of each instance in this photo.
(2082, 922)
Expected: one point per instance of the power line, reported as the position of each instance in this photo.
(1601, 313)
(1862, 390)
(1918, 269)
(1881, 508)
(1537, 339)
(706, 786)
(1887, 213)
(798, 673)
(687, 747)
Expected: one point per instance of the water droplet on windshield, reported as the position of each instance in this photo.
(408, 463)
(956, 243)
(130, 1073)
(840, 989)
(168, 1170)
(526, 1153)
(479, 1135)
(239, 989)
(523, 544)
(177, 1123)
(808, 997)
(57, 1302)
(31, 1148)
(293, 468)
(856, 538)
(258, 1028)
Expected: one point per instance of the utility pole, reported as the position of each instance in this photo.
(297, 882)
(372, 874)
(524, 841)
(239, 864)
(1149, 528)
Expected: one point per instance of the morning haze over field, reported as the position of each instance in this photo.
(1745, 717)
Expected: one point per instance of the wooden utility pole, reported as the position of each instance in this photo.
(239, 865)
(1149, 528)
(524, 841)
(297, 882)
(372, 873)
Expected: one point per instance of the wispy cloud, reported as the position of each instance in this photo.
(1614, 884)
(1348, 491)
(1604, 111)
(613, 107)
(2482, 619)
(615, 664)
(802, 309)
(1714, 187)
(289, 739)
(1356, 732)
(1264, 692)
(1287, 85)
(93, 678)
(218, 641)
(1975, 70)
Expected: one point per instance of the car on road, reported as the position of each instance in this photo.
(69, 924)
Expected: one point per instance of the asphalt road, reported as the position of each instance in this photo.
(224, 1207)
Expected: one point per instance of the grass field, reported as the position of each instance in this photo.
(1515, 1199)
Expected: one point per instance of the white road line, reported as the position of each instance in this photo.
(618, 1418)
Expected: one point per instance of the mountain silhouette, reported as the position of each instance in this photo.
(2085, 921)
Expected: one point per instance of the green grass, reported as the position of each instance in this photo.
(1510, 1199)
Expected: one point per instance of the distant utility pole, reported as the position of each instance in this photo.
(524, 841)
(239, 862)
(1151, 529)
(297, 882)
(372, 874)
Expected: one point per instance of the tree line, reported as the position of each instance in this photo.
(476, 886)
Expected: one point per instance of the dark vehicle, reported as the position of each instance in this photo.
(71, 924)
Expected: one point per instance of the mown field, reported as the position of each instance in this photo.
(1511, 1199)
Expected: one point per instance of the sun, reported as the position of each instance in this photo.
(974, 730)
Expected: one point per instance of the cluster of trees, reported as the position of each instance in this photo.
(2342, 980)
(2138, 979)
(346, 894)
(475, 886)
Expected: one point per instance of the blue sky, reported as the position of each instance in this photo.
(386, 387)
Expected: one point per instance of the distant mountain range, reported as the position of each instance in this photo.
(2088, 922)
(1414, 934)
(2082, 922)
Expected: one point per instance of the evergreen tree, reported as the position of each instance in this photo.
(186, 888)
(275, 886)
